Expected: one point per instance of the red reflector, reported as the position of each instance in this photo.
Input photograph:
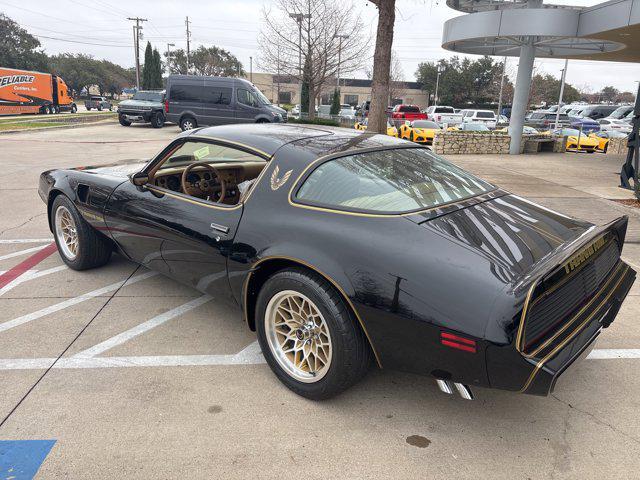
(454, 341)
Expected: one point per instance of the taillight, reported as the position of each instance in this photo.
(166, 106)
(455, 341)
(439, 117)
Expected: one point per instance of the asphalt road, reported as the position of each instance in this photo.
(163, 383)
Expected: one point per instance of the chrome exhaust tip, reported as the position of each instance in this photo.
(445, 386)
(464, 391)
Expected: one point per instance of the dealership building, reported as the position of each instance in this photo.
(283, 89)
(528, 29)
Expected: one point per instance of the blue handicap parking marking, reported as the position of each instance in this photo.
(21, 459)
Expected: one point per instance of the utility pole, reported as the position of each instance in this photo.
(187, 22)
(169, 55)
(504, 70)
(136, 44)
(251, 69)
(564, 76)
(340, 38)
(299, 17)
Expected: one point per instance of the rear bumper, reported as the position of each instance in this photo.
(546, 368)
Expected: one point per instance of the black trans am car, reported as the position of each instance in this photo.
(343, 248)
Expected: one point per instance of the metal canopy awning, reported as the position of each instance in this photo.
(609, 31)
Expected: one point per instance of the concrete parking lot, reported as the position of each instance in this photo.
(163, 383)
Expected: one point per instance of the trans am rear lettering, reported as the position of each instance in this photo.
(582, 256)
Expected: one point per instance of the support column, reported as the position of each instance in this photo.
(521, 96)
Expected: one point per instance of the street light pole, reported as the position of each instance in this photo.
(169, 45)
(299, 17)
(564, 76)
(251, 69)
(340, 38)
(435, 97)
(504, 69)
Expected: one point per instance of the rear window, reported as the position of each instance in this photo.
(409, 109)
(389, 181)
(485, 115)
(443, 110)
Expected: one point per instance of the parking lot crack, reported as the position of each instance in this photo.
(597, 420)
(2, 232)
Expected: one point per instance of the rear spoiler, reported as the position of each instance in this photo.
(549, 265)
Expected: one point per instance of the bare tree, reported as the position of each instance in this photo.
(381, 65)
(332, 41)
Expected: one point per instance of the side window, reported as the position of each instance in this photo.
(185, 93)
(217, 95)
(246, 97)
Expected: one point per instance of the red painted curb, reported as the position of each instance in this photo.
(27, 264)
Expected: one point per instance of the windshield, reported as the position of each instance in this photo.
(569, 132)
(191, 152)
(148, 96)
(389, 181)
(261, 98)
(425, 124)
(485, 115)
(621, 112)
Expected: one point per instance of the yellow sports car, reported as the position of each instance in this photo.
(586, 143)
(603, 138)
(391, 130)
(419, 131)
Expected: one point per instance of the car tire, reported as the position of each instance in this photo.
(123, 121)
(88, 109)
(188, 123)
(345, 356)
(111, 108)
(412, 136)
(157, 120)
(79, 245)
(74, 108)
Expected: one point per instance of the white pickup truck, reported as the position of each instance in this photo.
(443, 115)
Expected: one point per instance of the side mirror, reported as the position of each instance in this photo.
(139, 179)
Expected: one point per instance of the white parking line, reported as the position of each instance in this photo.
(251, 355)
(29, 275)
(143, 327)
(72, 301)
(614, 353)
(22, 252)
(25, 240)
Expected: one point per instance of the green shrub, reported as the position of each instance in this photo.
(315, 121)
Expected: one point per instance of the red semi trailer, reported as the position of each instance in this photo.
(22, 91)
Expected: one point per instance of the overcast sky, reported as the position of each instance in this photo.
(100, 28)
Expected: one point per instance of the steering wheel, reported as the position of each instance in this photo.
(204, 188)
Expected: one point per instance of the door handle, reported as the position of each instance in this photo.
(220, 228)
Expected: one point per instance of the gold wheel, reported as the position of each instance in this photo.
(298, 336)
(67, 233)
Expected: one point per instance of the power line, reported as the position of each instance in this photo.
(83, 43)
